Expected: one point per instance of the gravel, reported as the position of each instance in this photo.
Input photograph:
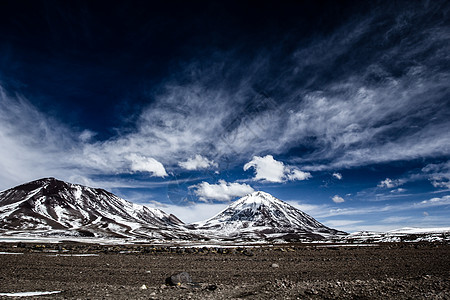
(400, 271)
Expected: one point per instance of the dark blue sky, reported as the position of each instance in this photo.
(340, 108)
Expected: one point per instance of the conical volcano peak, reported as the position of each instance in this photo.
(261, 215)
(257, 198)
(261, 194)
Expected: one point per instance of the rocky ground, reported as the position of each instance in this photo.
(400, 271)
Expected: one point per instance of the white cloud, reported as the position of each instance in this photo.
(437, 174)
(337, 176)
(223, 191)
(322, 212)
(32, 144)
(339, 223)
(441, 168)
(311, 209)
(374, 228)
(328, 211)
(293, 173)
(146, 164)
(353, 121)
(344, 225)
(156, 204)
(441, 183)
(193, 213)
(395, 219)
(271, 170)
(86, 135)
(399, 190)
(196, 163)
(267, 168)
(445, 200)
(343, 114)
(337, 199)
(389, 183)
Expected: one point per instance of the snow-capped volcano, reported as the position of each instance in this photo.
(54, 206)
(259, 215)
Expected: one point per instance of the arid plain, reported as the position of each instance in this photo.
(294, 271)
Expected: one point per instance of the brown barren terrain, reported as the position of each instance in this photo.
(400, 271)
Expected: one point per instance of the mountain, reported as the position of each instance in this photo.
(260, 216)
(407, 234)
(50, 206)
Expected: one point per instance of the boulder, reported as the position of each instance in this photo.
(178, 279)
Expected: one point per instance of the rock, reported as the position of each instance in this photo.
(178, 279)
(211, 287)
(275, 265)
(312, 291)
(143, 287)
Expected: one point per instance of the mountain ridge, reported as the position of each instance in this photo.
(50, 206)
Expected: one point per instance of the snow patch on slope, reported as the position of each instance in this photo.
(29, 294)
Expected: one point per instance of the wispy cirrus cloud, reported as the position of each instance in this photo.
(438, 174)
(379, 109)
(399, 190)
(445, 200)
(340, 223)
(395, 219)
(33, 145)
(331, 211)
(197, 162)
(386, 102)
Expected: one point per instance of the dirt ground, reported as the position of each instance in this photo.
(396, 271)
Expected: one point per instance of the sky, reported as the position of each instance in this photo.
(340, 108)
